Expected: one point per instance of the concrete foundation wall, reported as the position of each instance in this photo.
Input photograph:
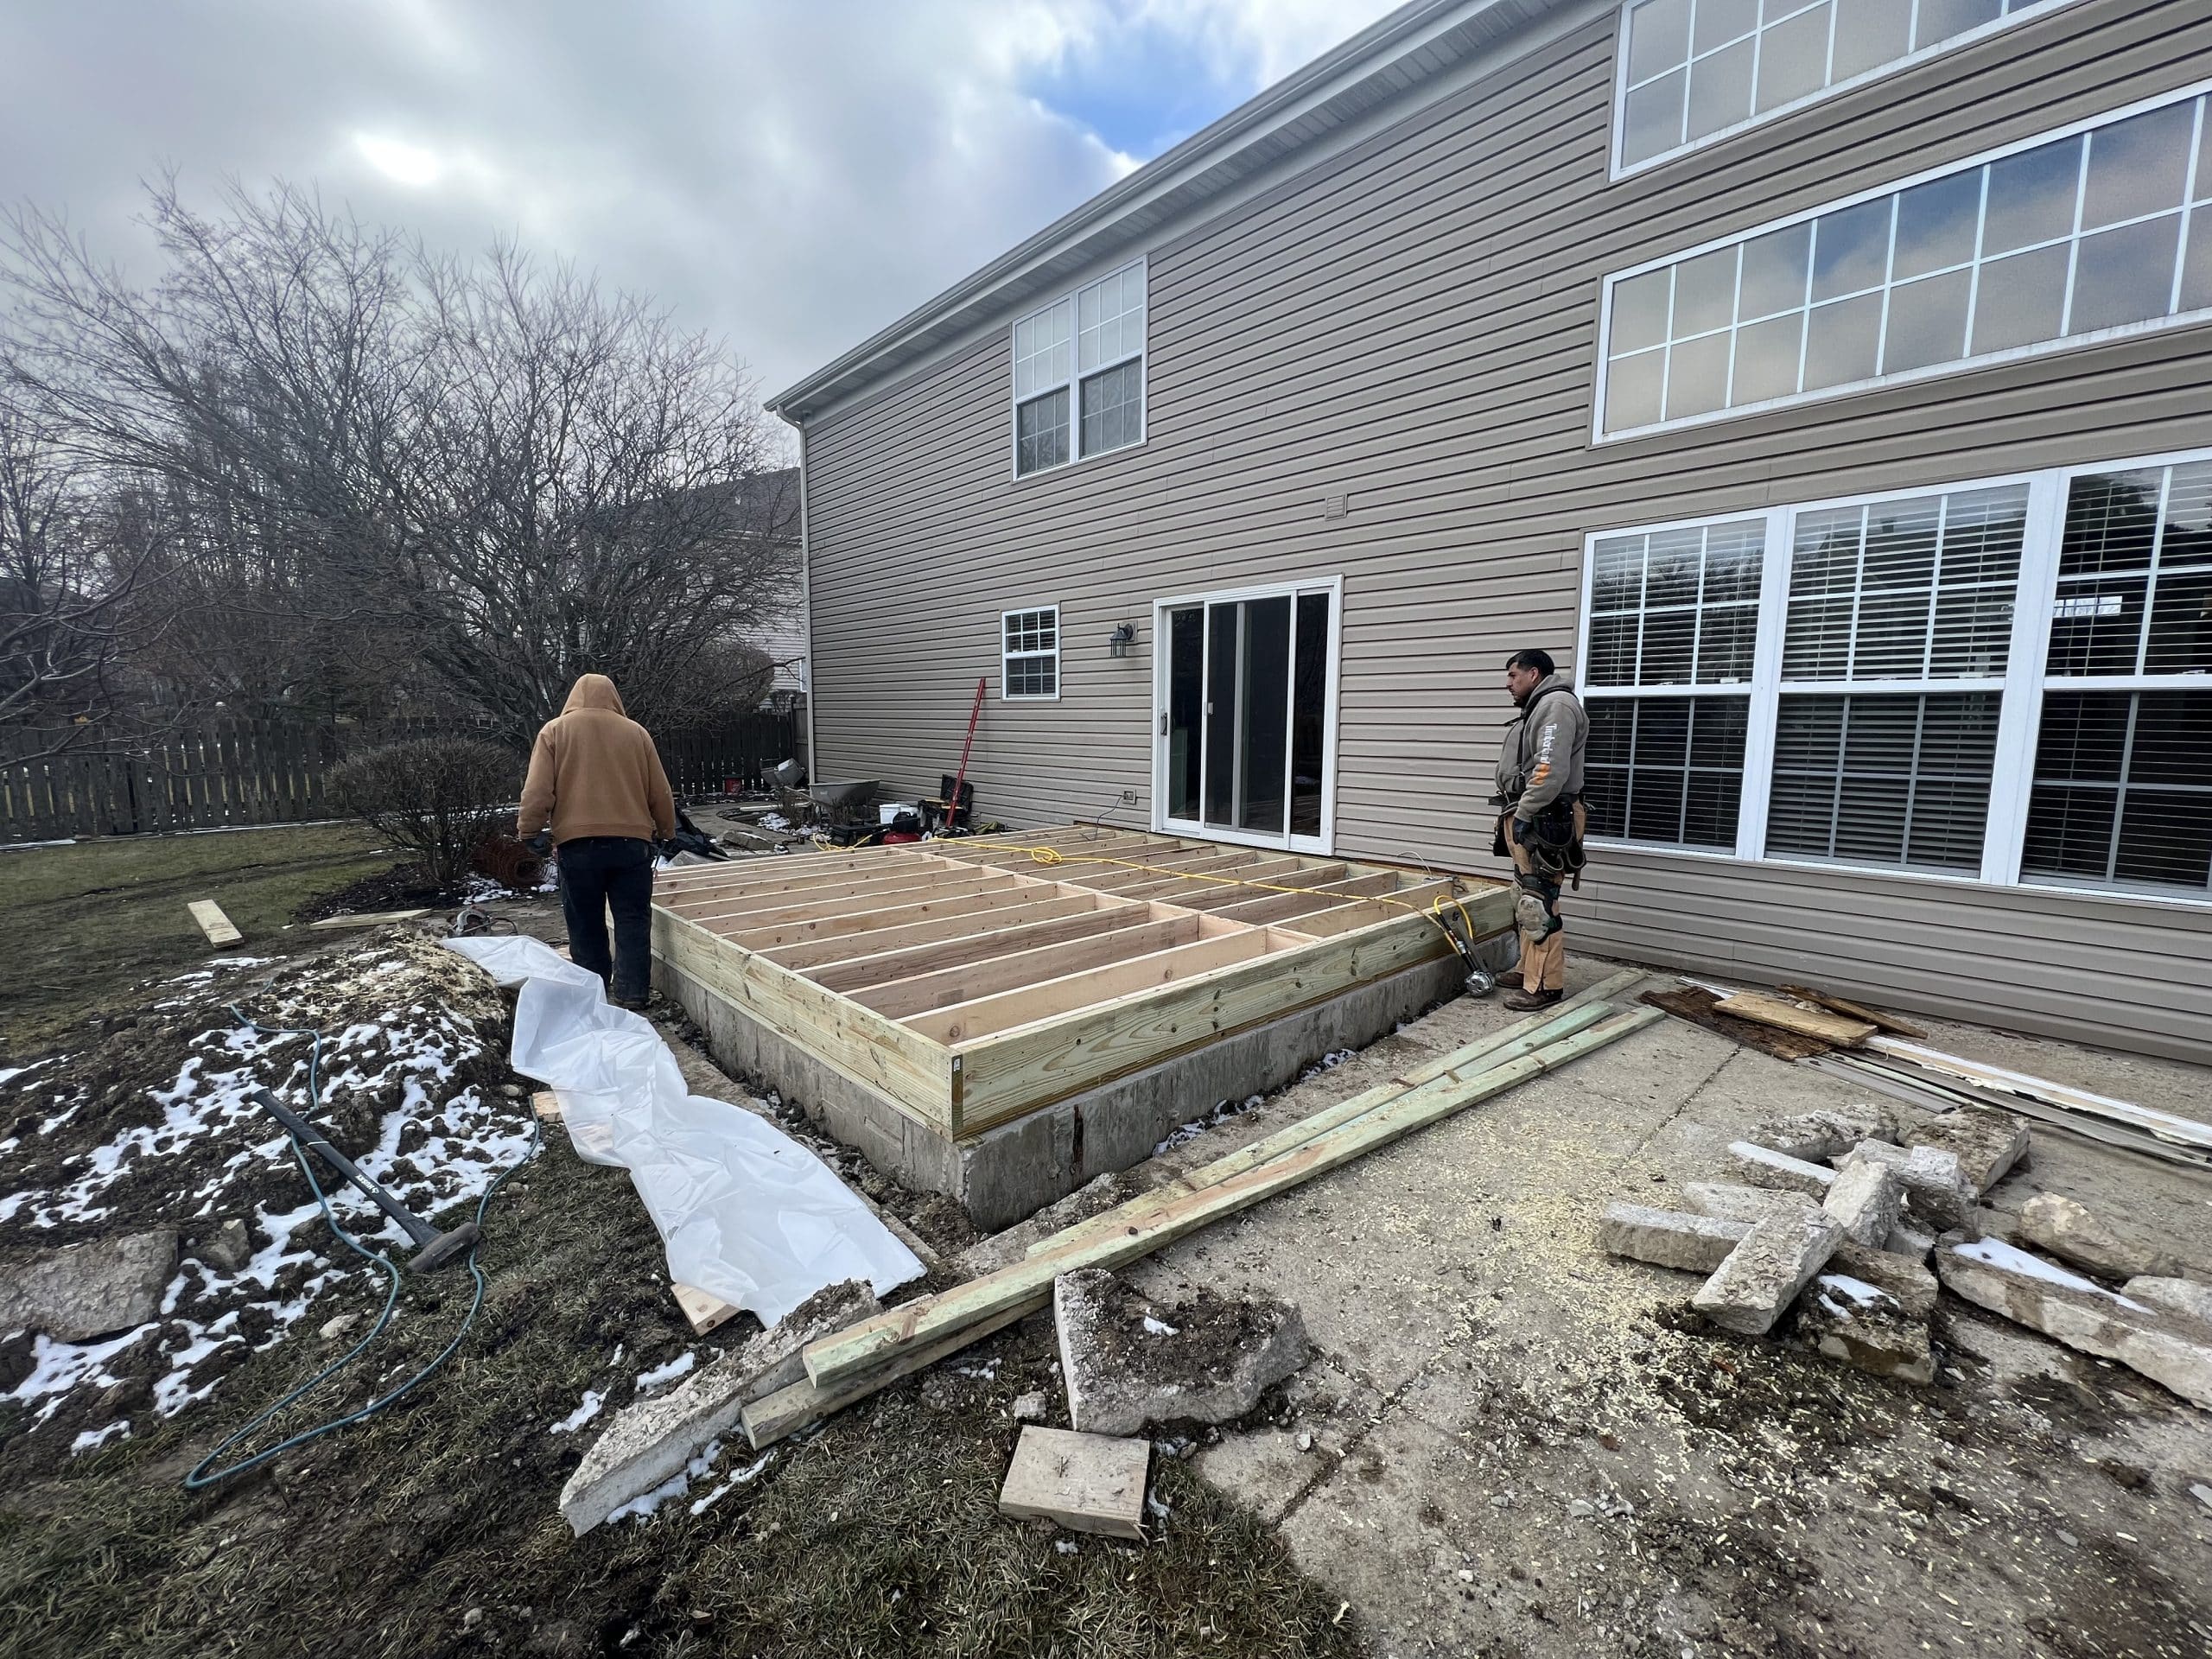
(1010, 1172)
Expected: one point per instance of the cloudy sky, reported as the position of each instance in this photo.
(789, 174)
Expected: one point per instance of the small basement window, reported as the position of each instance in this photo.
(1029, 653)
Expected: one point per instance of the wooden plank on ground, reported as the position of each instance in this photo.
(1838, 1031)
(216, 925)
(1873, 1017)
(376, 918)
(1087, 1483)
(704, 1312)
(1701, 1008)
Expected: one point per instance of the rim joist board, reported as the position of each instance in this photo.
(970, 981)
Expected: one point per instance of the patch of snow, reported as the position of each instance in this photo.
(701, 1505)
(59, 1367)
(648, 1381)
(1198, 1126)
(774, 820)
(1066, 1546)
(92, 1439)
(1158, 1328)
(583, 1415)
(1999, 1254)
(676, 1485)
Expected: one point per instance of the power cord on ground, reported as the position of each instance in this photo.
(202, 1475)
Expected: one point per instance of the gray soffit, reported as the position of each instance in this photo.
(1375, 67)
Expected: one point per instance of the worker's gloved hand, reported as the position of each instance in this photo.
(541, 844)
(664, 850)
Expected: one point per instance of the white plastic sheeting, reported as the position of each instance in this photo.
(748, 1214)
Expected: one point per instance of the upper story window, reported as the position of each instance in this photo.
(1693, 70)
(2104, 228)
(1078, 374)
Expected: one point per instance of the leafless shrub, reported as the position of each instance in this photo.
(440, 797)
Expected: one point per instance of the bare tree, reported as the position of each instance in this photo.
(484, 478)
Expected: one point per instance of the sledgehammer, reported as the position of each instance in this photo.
(433, 1248)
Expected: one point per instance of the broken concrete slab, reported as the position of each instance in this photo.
(1864, 1200)
(1762, 1167)
(92, 1290)
(1763, 1275)
(648, 1442)
(1909, 1281)
(226, 1247)
(1934, 1182)
(1126, 1363)
(1732, 1201)
(1828, 1133)
(2182, 1296)
(2168, 1348)
(1908, 1239)
(2069, 1231)
(1087, 1483)
(1861, 1324)
(1668, 1238)
(1988, 1143)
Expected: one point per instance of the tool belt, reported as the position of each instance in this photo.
(1550, 841)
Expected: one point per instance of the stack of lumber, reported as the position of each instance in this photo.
(851, 1365)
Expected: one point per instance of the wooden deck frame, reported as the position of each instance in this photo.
(971, 984)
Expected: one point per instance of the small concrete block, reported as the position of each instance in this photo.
(2182, 1296)
(1763, 1275)
(1828, 1133)
(1859, 1323)
(1126, 1363)
(1865, 1201)
(1730, 1202)
(2167, 1347)
(1762, 1167)
(1987, 1142)
(1934, 1183)
(2070, 1232)
(84, 1291)
(1908, 1241)
(1667, 1238)
(1088, 1483)
(227, 1247)
(1909, 1281)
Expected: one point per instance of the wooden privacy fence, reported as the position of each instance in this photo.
(232, 772)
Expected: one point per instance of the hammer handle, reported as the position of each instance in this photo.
(312, 1139)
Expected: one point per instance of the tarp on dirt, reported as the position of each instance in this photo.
(748, 1214)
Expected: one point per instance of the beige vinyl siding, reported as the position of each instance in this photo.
(1414, 322)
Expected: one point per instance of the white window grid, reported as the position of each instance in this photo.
(1029, 655)
(2021, 687)
(1071, 346)
(2179, 491)
(1712, 610)
(1692, 337)
(1752, 26)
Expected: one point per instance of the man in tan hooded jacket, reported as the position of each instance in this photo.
(596, 785)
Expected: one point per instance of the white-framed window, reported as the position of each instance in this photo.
(2005, 680)
(2102, 229)
(1078, 373)
(1029, 653)
(1692, 71)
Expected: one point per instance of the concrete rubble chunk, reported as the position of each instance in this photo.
(1668, 1238)
(1865, 1201)
(1933, 1182)
(2069, 1231)
(92, 1290)
(1864, 1326)
(2183, 1296)
(648, 1442)
(1908, 1240)
(1126, 1363)
(2167, 1347)
(1732, 1201)
(1828, 1133)
(1987, 1142)
(1762, 1167)
(1909, 1281)
(227, 1247)
(1762, 1276)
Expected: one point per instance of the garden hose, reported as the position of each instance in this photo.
(202, 1475)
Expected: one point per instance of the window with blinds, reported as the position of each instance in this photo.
(1883, 779)
(2135, 575)
(1670, 611)
(2123, 791)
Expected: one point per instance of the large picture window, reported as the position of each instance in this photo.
(1693, 70)
(2009, 680)
(2066, 238)
(1078, 374)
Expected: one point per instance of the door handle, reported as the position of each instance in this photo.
(1163, 725)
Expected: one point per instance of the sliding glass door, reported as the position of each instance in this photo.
(1246, 724)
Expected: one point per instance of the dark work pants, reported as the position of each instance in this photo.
(603, 872)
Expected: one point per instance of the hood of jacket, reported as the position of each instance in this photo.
(594, 691)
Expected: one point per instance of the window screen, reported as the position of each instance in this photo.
(1883, 779)
(2123, 791)
(1668, 770)
(2135, 575)
(1031, 659)
(1919, 589)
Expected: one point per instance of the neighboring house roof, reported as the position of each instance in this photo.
(1376, 66)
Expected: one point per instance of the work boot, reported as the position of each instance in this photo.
(1529, 1001)
(636, 1002)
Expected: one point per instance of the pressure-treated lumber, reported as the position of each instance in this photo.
(216, 925)
(1023, 969)
(849, 926)
(1072, 992)
(1147, 1224)
(988, 945)
(1842, 1031)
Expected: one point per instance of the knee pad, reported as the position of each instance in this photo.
(1533, 916)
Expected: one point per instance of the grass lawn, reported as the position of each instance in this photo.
(95, 918)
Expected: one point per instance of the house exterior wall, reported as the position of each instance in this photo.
(1414, 322)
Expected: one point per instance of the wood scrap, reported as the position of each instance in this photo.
(1087, 1483)
(1836, 1030)
(376, 918)
(1699, 1006)
(704, 1312)
(1874, 1017)
(216, 925)
(547, 1104)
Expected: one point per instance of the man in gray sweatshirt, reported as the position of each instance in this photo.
(1540, 818)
